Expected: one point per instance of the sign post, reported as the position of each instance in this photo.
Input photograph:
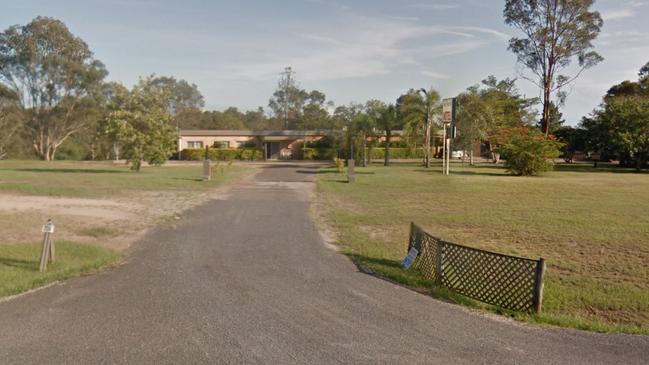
(448, 117)
(47, 254)
(207, 166)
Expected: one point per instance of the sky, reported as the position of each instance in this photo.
(353, 51)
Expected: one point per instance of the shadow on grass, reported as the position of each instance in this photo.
(465, 172)
(603, 167)
(313, 172)
(391, 271)
(71, 171)
(20, 264)
(195, 179)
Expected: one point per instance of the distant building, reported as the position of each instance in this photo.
(277, 144)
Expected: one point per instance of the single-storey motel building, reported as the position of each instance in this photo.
(277, 144)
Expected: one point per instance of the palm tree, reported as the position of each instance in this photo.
(417, 110)
(388, 122)
(364, 127)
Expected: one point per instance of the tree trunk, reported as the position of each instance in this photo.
(388, 138)
(639, 162)
(427, 147)
(471, 157)
(364, 163)
(545, 123)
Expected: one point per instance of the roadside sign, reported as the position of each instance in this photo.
(410, 259)
(447, 110)
(48, 228)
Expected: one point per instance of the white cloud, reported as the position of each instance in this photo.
(433, 6)
(434, 75)
(617, 14)
(362, 46)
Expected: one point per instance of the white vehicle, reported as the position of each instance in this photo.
(457, 154)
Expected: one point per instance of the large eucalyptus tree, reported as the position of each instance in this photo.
(54, 77)
(555, 32)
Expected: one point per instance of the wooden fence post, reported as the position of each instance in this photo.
(538, 285)
(439, 251)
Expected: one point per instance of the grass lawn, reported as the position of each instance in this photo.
(19, 264)
(102, 179)
(591, 226)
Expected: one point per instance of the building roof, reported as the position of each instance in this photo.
(263, 133)
(251, 133)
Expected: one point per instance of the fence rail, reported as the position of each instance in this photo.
(506, 281)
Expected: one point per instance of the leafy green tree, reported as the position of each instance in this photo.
(10, 119)
(294, 108)
(193, 118)
(54, 76)
(417, 110)
(620, 126)
(556, 119)
(141, 124)
(287, 101)
(231, 119)
(573, 139)
(554, 33)
(472, 120)
(631, 88)
(364, 127)
(315, 114)
(257, 119)
(182, 94)
(484, 111)
(385, 117)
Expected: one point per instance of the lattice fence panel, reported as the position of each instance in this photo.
(506, 281)
(428, 247)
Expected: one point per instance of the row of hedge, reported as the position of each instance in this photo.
(397, 153)
(223, 154)
(375, 153)
(256, 154)
(318, 153)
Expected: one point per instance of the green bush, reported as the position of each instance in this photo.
(529, 152)
(252, 154)
(340, 165)
(378, 153)
(193, 154)
(318, 154)
(223, 154)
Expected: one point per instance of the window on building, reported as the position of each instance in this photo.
(222, 144)
(194, 144)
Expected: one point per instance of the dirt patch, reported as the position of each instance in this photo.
(127, 218)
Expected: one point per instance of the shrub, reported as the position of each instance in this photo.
(319, 153)
(340, 165)
(252, 154)
(193, 154)
(396, 153)
(223, 154)
(529, 152)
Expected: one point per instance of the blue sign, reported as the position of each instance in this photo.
(410, 259)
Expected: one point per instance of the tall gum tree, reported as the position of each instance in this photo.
(10, 120)
(555, 33)
(54, 77)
